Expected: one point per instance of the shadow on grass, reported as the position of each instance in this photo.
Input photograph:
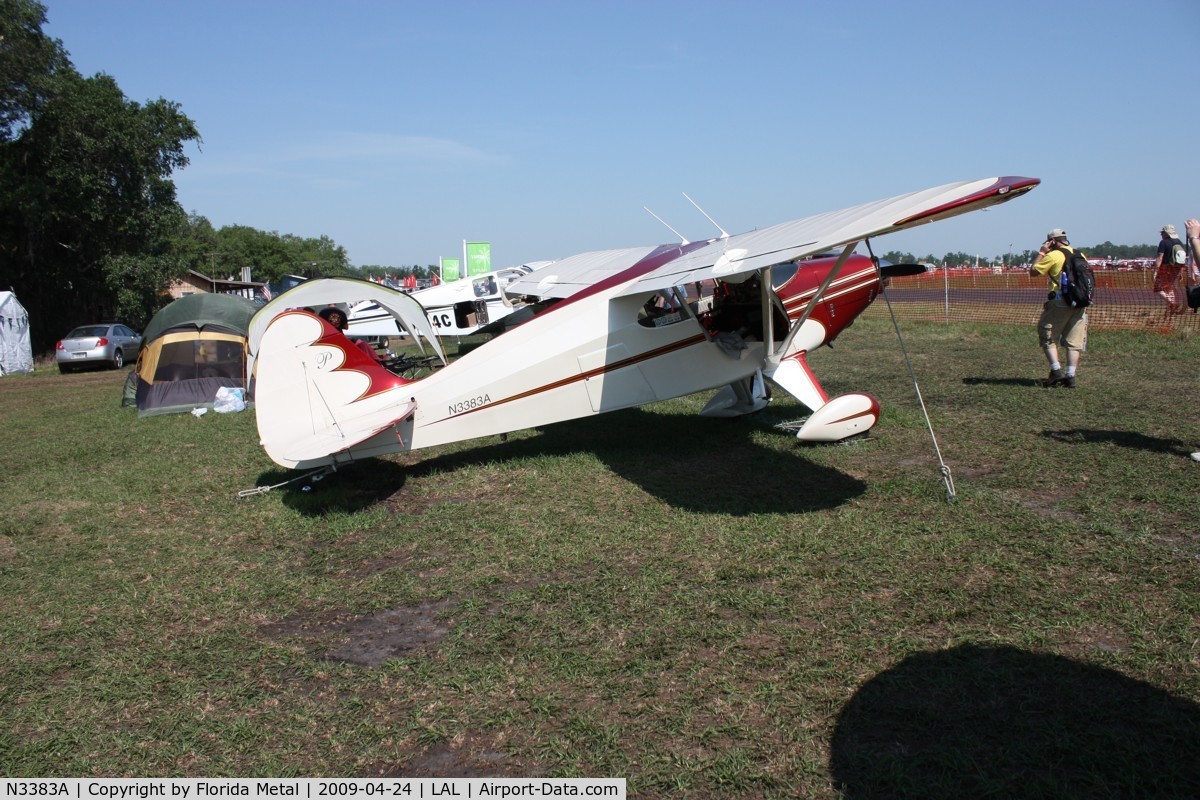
(1134, 441)
(1002, 381)
(352, 488)
(1001, 722)
(691, 463)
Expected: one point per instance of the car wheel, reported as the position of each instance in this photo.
(118, 359)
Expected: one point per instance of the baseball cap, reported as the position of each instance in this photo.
(1168, 229)
(1057, 233)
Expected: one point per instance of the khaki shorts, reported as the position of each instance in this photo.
(1061, 324)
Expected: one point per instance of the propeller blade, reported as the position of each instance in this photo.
(900, 270)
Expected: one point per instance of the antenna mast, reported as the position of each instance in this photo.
(682, 239)
(724, 233)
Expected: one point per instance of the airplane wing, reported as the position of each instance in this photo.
(674, 265)
(567, 276)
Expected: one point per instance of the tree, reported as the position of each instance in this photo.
(271, 255)
(896, 257)
(28, 61)
(194, 242)
(137, 283)
(1121, 252)
(85, 193)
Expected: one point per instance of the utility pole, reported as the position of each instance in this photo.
(212, 263)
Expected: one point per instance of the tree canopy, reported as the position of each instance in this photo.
(87, 205)
(28, 59)
(221, 253)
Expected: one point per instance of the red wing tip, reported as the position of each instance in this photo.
(1010, 182)
(1002, 188)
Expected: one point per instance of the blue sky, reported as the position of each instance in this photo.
(399, 129)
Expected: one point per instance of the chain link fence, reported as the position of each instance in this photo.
(1124, 299)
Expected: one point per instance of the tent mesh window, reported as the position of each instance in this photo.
(191, 359)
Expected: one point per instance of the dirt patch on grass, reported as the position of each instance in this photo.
(466, 757)
(406, 501)
(367, 640)
(1049, 507)
(469, 487)
(1083, 643)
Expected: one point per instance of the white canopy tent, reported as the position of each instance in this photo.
(16, 352)
(408, 314)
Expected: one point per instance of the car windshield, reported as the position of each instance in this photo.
(88, 330)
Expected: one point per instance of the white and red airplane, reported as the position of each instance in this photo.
(617, 328)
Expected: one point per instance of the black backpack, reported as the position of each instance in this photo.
(1079, 282)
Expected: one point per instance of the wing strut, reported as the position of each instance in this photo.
(765, 292)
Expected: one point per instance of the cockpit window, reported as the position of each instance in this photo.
(782, 273)
(485, 286)
(661, 309)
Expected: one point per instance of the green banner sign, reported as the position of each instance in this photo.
(479, 258)
(450, 269)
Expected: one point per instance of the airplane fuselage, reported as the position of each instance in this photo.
(585, 356)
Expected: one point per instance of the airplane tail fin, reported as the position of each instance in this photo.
(832, 419)
(318, 395)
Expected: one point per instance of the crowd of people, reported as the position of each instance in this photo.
(1176, 280)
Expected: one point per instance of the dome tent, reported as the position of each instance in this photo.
(192, 348)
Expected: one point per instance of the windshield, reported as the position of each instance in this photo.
(782, 273)
(88, 330)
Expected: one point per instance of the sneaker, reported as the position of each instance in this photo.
(1057, 376)
(1068, 382)
(1196, 456)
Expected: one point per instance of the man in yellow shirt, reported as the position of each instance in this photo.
(1060, 321)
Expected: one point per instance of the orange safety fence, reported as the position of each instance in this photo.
(1124, 299)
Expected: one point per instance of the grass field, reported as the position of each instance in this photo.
(704, 607)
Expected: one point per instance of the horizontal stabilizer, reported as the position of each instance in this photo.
(315, 446)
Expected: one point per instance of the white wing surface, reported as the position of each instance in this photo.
(567, 276)
(723, 258)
